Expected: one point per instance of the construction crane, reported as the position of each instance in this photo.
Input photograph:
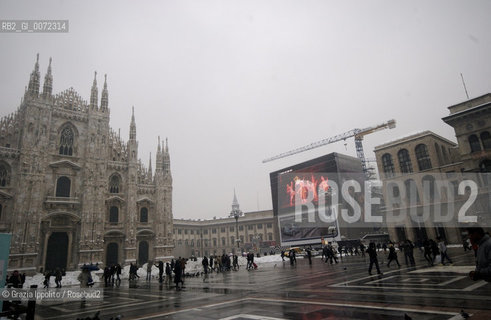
(359, 134)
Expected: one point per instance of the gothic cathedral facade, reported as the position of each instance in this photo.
(72, 191)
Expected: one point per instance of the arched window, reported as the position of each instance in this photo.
(424, 162)
(192, 242)
(4, 176)
(474, 143)
(429, 190)
(388, 165)
(66, 141)
(63, 187)
(405, 161)
(144, 215)
(114, 184)
(412, 195)
(486, 140)
(113, 214)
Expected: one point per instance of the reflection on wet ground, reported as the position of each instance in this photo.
(279, 291)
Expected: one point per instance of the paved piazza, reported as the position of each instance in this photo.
(279, 291)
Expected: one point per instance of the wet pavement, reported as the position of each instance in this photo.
(279, 291)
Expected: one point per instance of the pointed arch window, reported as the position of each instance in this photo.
(424, 161)
(63, 187)
(4, 176)
(66, 142)
(405, 161)
(474, 143)
(113, 215)
(144, 215)
(486, 140)
(388, 165)
(114, 184)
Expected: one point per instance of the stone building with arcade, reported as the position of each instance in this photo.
(72, 191)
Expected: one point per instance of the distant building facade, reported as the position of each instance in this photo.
(404, 166)
(426, 157)
(257, 232)
(471, 121)
(71, 191)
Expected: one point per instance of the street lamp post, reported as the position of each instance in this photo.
(236, 213)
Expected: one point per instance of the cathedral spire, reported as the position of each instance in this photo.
(94, 93)
(158, 160)
(104, 97)
(33, 88)
(235, 207)
(150, 167)
(166, 157)
(133, 125)
(48, 82)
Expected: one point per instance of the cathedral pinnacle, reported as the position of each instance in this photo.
(48, 82)
(94, 92)
(150, 167)
(34, 80)
(133, 124)
(104, 97)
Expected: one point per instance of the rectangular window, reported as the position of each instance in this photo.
(241, 228)
(222, 229)
(214, 230)
(250, 227)
(232, 229)
(259, 226)
(192, 231)
(185, 231)
(205, 231)
(179, 231)
(270, 225)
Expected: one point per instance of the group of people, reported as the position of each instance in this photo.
(112, 274)
(15, 280)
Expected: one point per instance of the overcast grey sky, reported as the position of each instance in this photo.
(233, 82)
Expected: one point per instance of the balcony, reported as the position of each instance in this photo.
(62, 202)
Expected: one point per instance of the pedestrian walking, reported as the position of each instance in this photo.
(408, 249)
(160, 265)
(58, 277)
(168, 273)
(205, 267)
(482, 240)
(443, 250)
(427, 252)
(178, 274)
(372, 253)
(309, 255)
(392, 256)
(149, 270)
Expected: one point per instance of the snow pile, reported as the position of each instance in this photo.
(70, 279)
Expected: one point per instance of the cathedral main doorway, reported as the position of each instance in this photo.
(57, 253)
(142, 253)
(112, 254)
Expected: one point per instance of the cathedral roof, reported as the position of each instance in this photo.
(71, 100)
